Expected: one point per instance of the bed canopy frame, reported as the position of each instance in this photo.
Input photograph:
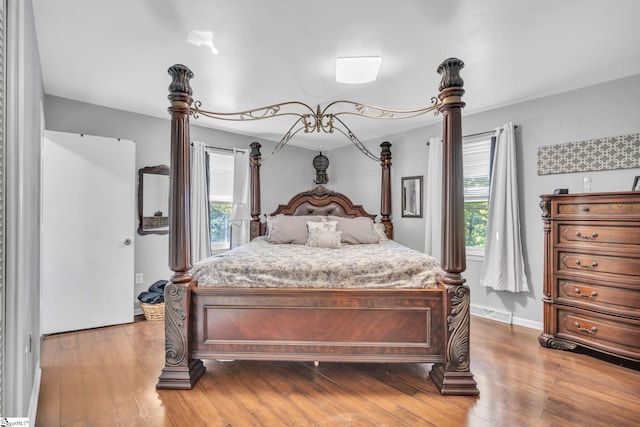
(449, 304)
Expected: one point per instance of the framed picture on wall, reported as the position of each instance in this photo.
(636, 184)
(412, 197)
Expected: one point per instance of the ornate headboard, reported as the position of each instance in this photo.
(320, 201)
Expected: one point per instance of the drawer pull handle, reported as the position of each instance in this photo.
(591, 331)
(578, 291)
(592, 237)
(585, 209)
(593, 264)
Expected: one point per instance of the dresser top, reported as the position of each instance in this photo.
(592, 195)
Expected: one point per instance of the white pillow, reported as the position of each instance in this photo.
(324, 238)
(322, 225)
(378, 228)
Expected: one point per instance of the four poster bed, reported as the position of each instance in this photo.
(407, 319)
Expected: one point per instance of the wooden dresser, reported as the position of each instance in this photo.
(592, 272)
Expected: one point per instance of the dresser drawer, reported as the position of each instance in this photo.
(592, 233)
(612, 334)
(595, 207)
(599, 297)
(591, 264)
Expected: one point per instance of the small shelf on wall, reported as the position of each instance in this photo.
(154, 222)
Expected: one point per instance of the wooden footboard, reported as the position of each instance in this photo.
(348, 325)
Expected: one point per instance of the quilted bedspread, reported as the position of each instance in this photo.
(260, 264)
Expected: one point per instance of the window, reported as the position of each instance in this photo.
(220, 183)
(476, 152)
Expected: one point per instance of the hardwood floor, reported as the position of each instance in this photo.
(107, 376)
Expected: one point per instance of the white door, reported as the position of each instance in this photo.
(88, 215)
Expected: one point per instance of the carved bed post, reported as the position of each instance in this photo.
(255, 157)
(385, 193)
(180, 371)
(454, 375)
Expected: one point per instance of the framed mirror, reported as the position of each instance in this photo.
(153, 200)
(412, 197)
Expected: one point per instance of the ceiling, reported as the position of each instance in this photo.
(115, 53)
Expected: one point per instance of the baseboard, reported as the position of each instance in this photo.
(35, 395)
(504, 317)
(490, 313)
(528, 323)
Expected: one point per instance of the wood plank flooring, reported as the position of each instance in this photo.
(107, 377)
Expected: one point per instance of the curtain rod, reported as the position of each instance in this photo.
(224, 149)
(489, 132)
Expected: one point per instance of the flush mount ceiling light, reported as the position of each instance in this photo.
(202, 38)
(357, 69)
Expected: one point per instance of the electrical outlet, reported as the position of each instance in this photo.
(139, 278)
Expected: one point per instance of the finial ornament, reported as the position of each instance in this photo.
(385, 153)
(181, 75)
(320, 164)
(450, 71)
(255, 150)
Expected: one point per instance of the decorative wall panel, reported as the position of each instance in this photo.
(616, 152)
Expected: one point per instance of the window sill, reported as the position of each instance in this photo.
(478, 258)
(475, 254)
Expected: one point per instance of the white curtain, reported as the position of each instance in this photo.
(433, 200)
(240, 210)
(200, 244)
(503, 267)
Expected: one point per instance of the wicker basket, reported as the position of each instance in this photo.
(153, 311)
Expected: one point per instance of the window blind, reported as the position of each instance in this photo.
(220, 177)
(476, 152)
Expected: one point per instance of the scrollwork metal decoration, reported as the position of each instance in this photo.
(318, 120)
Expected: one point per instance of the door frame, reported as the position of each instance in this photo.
(21, 144)
(3, 207)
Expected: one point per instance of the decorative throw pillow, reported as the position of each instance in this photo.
(378, 228)
(323, 238)
(356, 231)
(322, 225)
(290, 229)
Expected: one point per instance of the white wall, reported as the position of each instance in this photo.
(605, 110)
(280, 175)
(609, 109)
(360, 177)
